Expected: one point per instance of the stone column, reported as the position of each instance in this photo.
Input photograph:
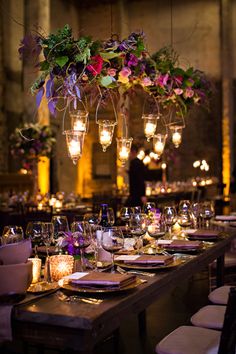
(227, 93)
(37, 18)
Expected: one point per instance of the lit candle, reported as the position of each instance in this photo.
(79, 125)
(105, 137)
(60, 266)
(159, 147)
(36, 269)
(74, 148)
(149, 129)
(124, 153)
(176, 139)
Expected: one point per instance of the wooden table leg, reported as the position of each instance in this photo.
(142, 322)
(220, 262)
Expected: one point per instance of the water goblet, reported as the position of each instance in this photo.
(112, 241)
(81, 232)
(47, 238)
(207, 212)
(138, 226)
(169, 215)
(111, 216)
(149, 207)
(12, 234)
(136, 209)
(184, 219)
(125, 214)
(60, 226)
(34, 232)
(93, 220)
(195, 209)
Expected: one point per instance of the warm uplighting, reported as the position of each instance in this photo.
(150, 124)
(159, 141)
(176, 136)
(123, 149)
(75, 142)
(43, 174)
(106, 130)
(36, 269)
(79, 120)
(60, 266)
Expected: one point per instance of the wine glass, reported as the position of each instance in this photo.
(81, 232)
(12, 234)
(125, 214)
(60, 226)
(184, 219)
(112, 241)
(195, 208)
(149, 207)
(169, 215)
(138, 226)
(34, 232)
(47, 238)
(207, 212)
(111, 216)
(93, 220)
(136, 209)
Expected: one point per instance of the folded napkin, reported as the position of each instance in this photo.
(100, 280)
(225, 217)
(148, 259)
(204, 234)
(184, 244)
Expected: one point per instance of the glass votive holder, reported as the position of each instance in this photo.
(36, 269)
(60, 266)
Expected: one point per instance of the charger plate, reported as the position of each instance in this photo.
(173, 264)
(80, 289)
(42, 287)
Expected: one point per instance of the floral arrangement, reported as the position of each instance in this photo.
(74, 66)
(68, 244)
(31, 142)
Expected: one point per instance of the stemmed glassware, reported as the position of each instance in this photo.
(138, 226)
(196, 208)
(185, 216)
(34, 232)
(12, 234)
(60, 226)
(93, 220)
(125, 214)
(207, 212)
(148, 207)
(112, 241)
(47, 238)
(111, 216)
(170, 216)
(81, 232)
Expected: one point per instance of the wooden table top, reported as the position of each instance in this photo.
(71, 323)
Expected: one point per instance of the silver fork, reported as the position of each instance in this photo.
(138, 272)
(76, 298)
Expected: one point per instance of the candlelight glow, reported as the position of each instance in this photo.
(159, 141)
(60, 266)
(36, 269)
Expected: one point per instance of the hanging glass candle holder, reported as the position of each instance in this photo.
(79, 120)
(159, 141)
(75, 142)
(123, 149)
(176, 135)
(150, 124)
(106, 130)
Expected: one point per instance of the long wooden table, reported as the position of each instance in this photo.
(80, 326)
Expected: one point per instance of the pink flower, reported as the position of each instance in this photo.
(111, 72)
(146, 81)
(178, 79)
(124, 75)
(188, 93)
(96, 67)
(161, 80)
(178, 91)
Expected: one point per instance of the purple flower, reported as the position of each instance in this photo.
(132, 60)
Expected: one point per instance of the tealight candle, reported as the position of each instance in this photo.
(176, 138)
(60, 266)
(124, 153)
(150, 129)
(79, 125)
(36, 269)
(159, 147)
(74, 148)
(105, 137)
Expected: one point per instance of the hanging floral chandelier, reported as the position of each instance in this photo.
(74, 69)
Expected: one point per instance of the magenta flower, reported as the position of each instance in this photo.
(146, 81)
(178, 91)
(188, 93)
(124, 75)
(111, 72)
(161, 80)
(133, 60)
(96, 67)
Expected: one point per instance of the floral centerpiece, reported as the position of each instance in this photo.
(72, 67)
(31, 142)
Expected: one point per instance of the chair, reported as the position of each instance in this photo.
(220, 295)
(211, 316)
(197, 340)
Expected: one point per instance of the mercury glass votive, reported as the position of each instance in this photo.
(36, 269)
(60, 266)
